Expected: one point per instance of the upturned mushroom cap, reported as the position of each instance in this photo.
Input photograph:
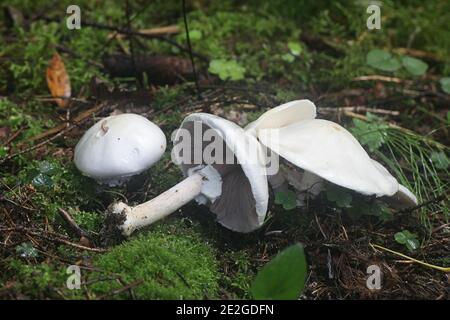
(331, 152)
(283, 115)
(118, 147)
(242, 204)
(326, 150)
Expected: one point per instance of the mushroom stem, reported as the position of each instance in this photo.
(160, 207)
(122, 220)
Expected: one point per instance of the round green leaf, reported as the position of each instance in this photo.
(283, 278)
(382, 60)
(412, 244)
(289, 58)
(287, 199)
(400, 237)
(295, 48)
(414, 66)
(445, 84)
(195, 35)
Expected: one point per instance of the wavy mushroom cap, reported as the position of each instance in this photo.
(283, 115)
(331, 152)
(242, 205)
(118, 147)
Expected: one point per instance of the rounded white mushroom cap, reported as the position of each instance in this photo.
(118, 147)
(242, 204)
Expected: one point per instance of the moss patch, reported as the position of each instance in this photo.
(170, 267)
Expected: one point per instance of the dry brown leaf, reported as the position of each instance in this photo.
(58, 80)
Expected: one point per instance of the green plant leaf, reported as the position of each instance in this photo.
(371, 134)
(283, 278)
(287, 199)
(288, 57)
(412, 244)
(42, 180)
(26, 250)
(295, 48)
(227, 69)
(3, 152)
(400, 237)
(445, 85)
(382, 60)
(408, 239)
(414, 66)
(339, 195)
(195, 35)
(440, 160)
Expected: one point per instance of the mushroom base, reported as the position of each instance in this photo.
(111, 232)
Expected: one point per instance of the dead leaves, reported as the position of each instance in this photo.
(58, 80)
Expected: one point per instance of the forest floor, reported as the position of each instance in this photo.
(249, 58)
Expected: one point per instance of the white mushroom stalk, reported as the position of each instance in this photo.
(236, 191)
(118, 147)
(324, 150)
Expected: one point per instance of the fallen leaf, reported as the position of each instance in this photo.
(58, 80)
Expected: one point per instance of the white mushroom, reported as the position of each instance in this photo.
(118, 147)
(326, 150)
(233, 184)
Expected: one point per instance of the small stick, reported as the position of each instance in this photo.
(432, 266)
(190, 49)
(377, 77)
(158, 31)
(124, 288)
(362, 109)
(74, 227)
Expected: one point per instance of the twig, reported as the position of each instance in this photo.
(362, 109)
(190, 48)
(74, 227)
(377, 77)
(432, 266)
(124, 288)
(130, 39)
(158, 31)
(424, 204)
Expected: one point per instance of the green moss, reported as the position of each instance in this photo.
(39, 281)
(171, 266)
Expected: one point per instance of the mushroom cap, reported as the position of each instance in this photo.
(403, 198)
(118, 147)
(283, 115)
(331, 152)
(242, 205)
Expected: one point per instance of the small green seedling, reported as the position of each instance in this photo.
(440, 160)
(227, 69)
(371, 133)
(385, 61)
(408, 239)
(26, 250)
(283, 278)
(382, 60)
(287, 199)
(445, 85)
(414, 66)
